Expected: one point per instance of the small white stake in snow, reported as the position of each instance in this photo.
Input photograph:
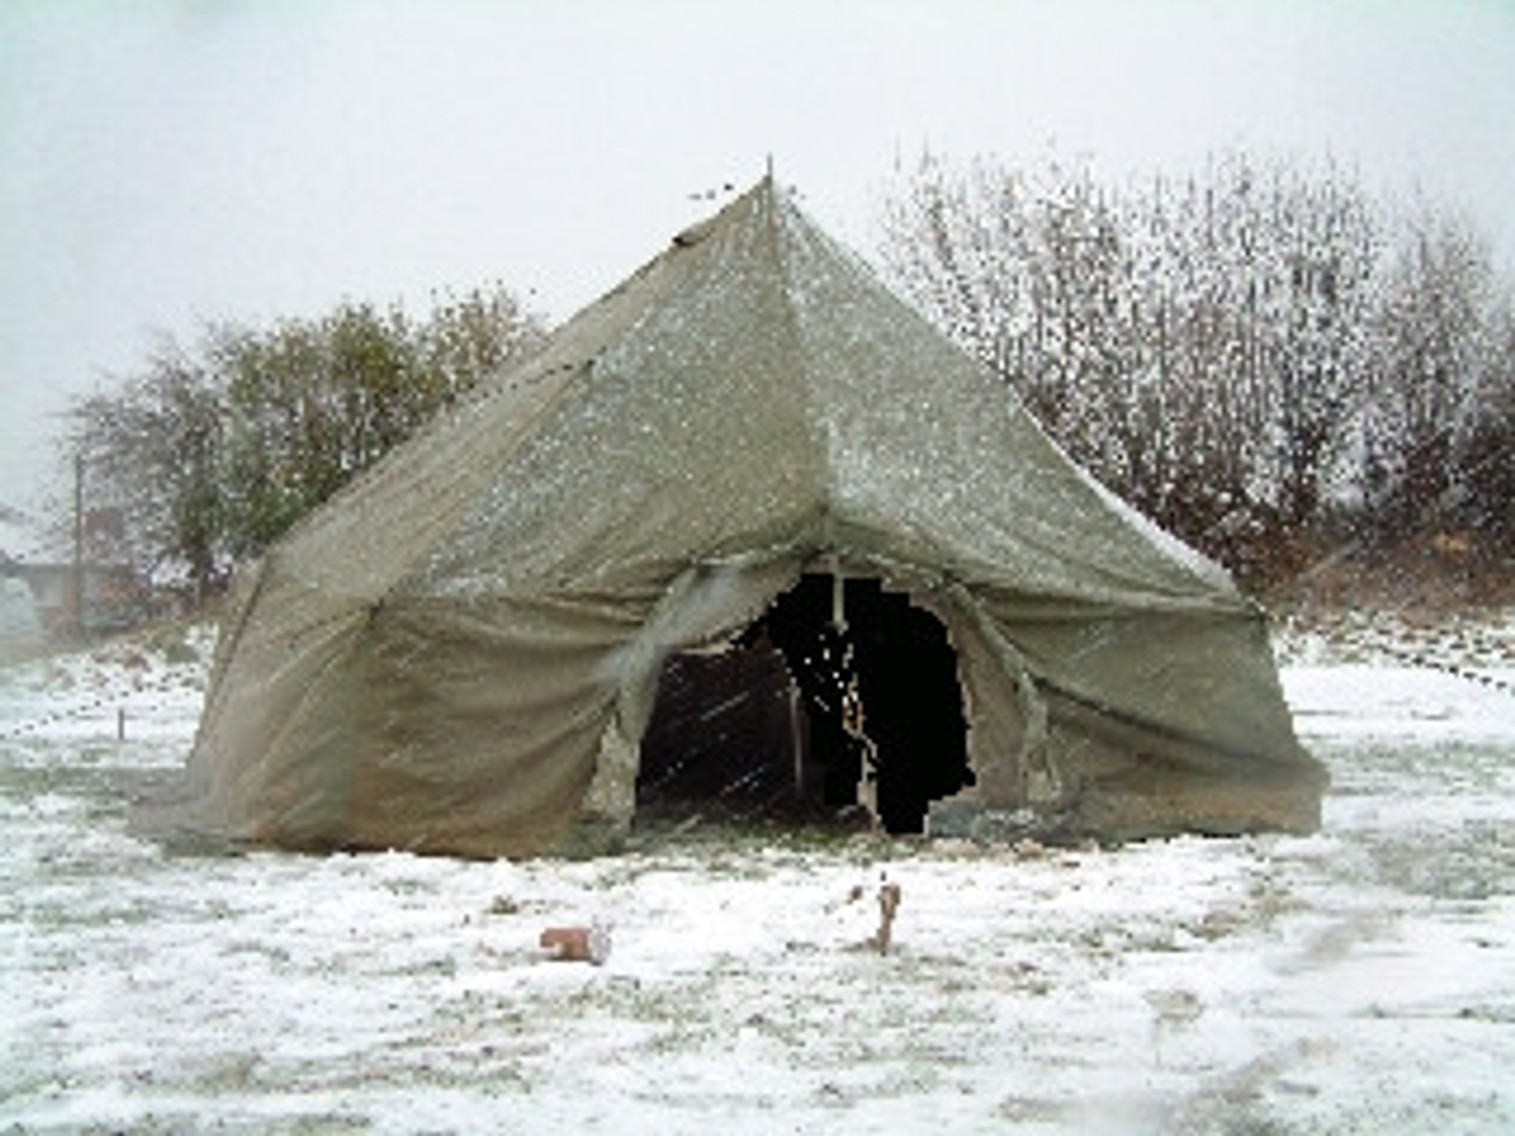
(1172, 1010)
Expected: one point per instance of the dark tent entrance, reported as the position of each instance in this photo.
(839, 704)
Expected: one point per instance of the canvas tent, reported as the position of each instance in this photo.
(462, 652)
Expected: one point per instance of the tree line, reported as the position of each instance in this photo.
(1261, 356)
(213, 448)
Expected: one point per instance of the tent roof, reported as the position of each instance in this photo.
(753, 387)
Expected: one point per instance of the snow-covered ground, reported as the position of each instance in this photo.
(1358, 980)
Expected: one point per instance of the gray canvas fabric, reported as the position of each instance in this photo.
(459, 652)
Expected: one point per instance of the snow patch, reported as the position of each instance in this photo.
(1361, 979)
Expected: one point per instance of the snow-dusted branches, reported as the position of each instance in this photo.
(1249, 353)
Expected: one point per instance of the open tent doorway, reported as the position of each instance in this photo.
(722, 739)
(841, 700)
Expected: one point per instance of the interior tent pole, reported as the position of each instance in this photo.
(852, 698)
(796, 739)
(838, 598)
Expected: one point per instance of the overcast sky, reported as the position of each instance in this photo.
(167, 162)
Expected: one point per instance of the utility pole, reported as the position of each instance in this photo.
(78, 589)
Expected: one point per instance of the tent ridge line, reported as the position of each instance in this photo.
(777, 212)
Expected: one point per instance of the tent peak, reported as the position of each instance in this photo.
(695, 233)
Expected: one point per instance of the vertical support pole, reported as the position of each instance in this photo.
(838, 597)
(796, 740)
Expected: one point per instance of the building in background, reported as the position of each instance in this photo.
(64, 597)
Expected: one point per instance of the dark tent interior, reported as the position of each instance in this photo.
(840, 685)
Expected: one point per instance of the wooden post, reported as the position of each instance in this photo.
(888, 904)
(796, 740)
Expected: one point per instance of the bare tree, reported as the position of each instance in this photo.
(1436, 375)
(1197, 343)
(152, 449)
(1485, 467)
